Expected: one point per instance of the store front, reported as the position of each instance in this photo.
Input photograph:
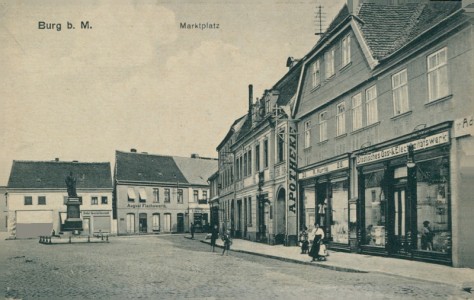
(325, 194)
(404, 200)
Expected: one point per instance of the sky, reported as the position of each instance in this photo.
(135, 78)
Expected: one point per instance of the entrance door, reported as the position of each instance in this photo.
(238, 232)
(400, 221)
(142, 223)
(167, 223)
(180, 223)
(86, 225)
(130, 223)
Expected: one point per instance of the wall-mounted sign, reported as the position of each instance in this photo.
(144, 205)
(292, 167)
(464, 126)
(95, 212)
(425, 143)
(324, 169)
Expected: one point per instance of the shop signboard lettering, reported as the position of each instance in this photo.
(425, 143)
(464, 126)
(144, 205)
(331, 167)
(292, 167)
(95, 213)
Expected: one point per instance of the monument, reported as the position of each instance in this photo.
(73, 220)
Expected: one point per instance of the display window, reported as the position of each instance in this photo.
(432, 205)
(340, 213)
(375, 209)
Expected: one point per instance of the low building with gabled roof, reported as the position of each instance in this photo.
(37, 194)
(160, 193)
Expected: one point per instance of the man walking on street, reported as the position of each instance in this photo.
(192, 230)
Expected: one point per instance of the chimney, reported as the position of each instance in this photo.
(353, 6)
(56, 159)
(250, 98)
(133, 150)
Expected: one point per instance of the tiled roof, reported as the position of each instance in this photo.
(288, 86)
(132, 166)
(386, 28)
(196, 170)
(233, 129)
(52, 174)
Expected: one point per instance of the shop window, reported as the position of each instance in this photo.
(432, 203)
(375, 203)
(94, 200)
(41, 200)
(28, 200)
(340, 213)
(155, 222)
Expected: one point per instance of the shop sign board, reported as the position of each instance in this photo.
(292, 167)
(420, 144)
(324, 169)
(464, 126)
(95, 213)
(144, 205)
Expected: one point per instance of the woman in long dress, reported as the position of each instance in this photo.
(318, 234)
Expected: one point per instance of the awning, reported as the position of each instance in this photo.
(131, 193)
(142, 194)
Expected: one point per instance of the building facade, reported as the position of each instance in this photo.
(161, 194)
(37, 197)
(3, 209)
(385, 120)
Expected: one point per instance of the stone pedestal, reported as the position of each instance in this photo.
(73, 220)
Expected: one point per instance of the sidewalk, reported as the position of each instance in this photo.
(352, 262)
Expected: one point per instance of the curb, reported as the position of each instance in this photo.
(315, 264)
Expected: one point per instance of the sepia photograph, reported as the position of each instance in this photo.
(237, 149)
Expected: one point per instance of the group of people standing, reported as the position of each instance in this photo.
(315, 239)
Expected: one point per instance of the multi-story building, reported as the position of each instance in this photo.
(385, 114)
(214, 199)
(157, 193)
(3, 209)
(37, 197)
(259, 202)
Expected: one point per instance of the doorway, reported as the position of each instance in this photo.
(401, 222)
(86, 225)
(180, 221)
(167, 223)
(280, 217)
(142, 222)
(130, 223)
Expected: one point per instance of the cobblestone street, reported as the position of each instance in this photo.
(164, 267)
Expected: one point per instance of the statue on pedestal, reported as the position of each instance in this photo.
(71, 185)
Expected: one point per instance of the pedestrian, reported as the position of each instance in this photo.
(227, 242)
(214, 236)
(192, 230)
(427, 237)
(318, 234)
(304, 240)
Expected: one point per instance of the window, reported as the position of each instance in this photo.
(167, 196)
(323, 127)
(341, 119)
(250, 212)
(180, 196)
(265, 153)
(329, 60)
(240, 167)
(316, 75)
(249, 165)
(142, 195)
(131, 194)
(346, 50)
(400, 92)
(94, 200)
(281, 145)
(195, 195)
(371, 101)
(156, 222)
(257, 157)
(267, 106)
(438, 75)
(156, 195)
(245, 164)
(41, 200)
(357, 111)
(307, 134)
(104, 200)
(204, 195)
